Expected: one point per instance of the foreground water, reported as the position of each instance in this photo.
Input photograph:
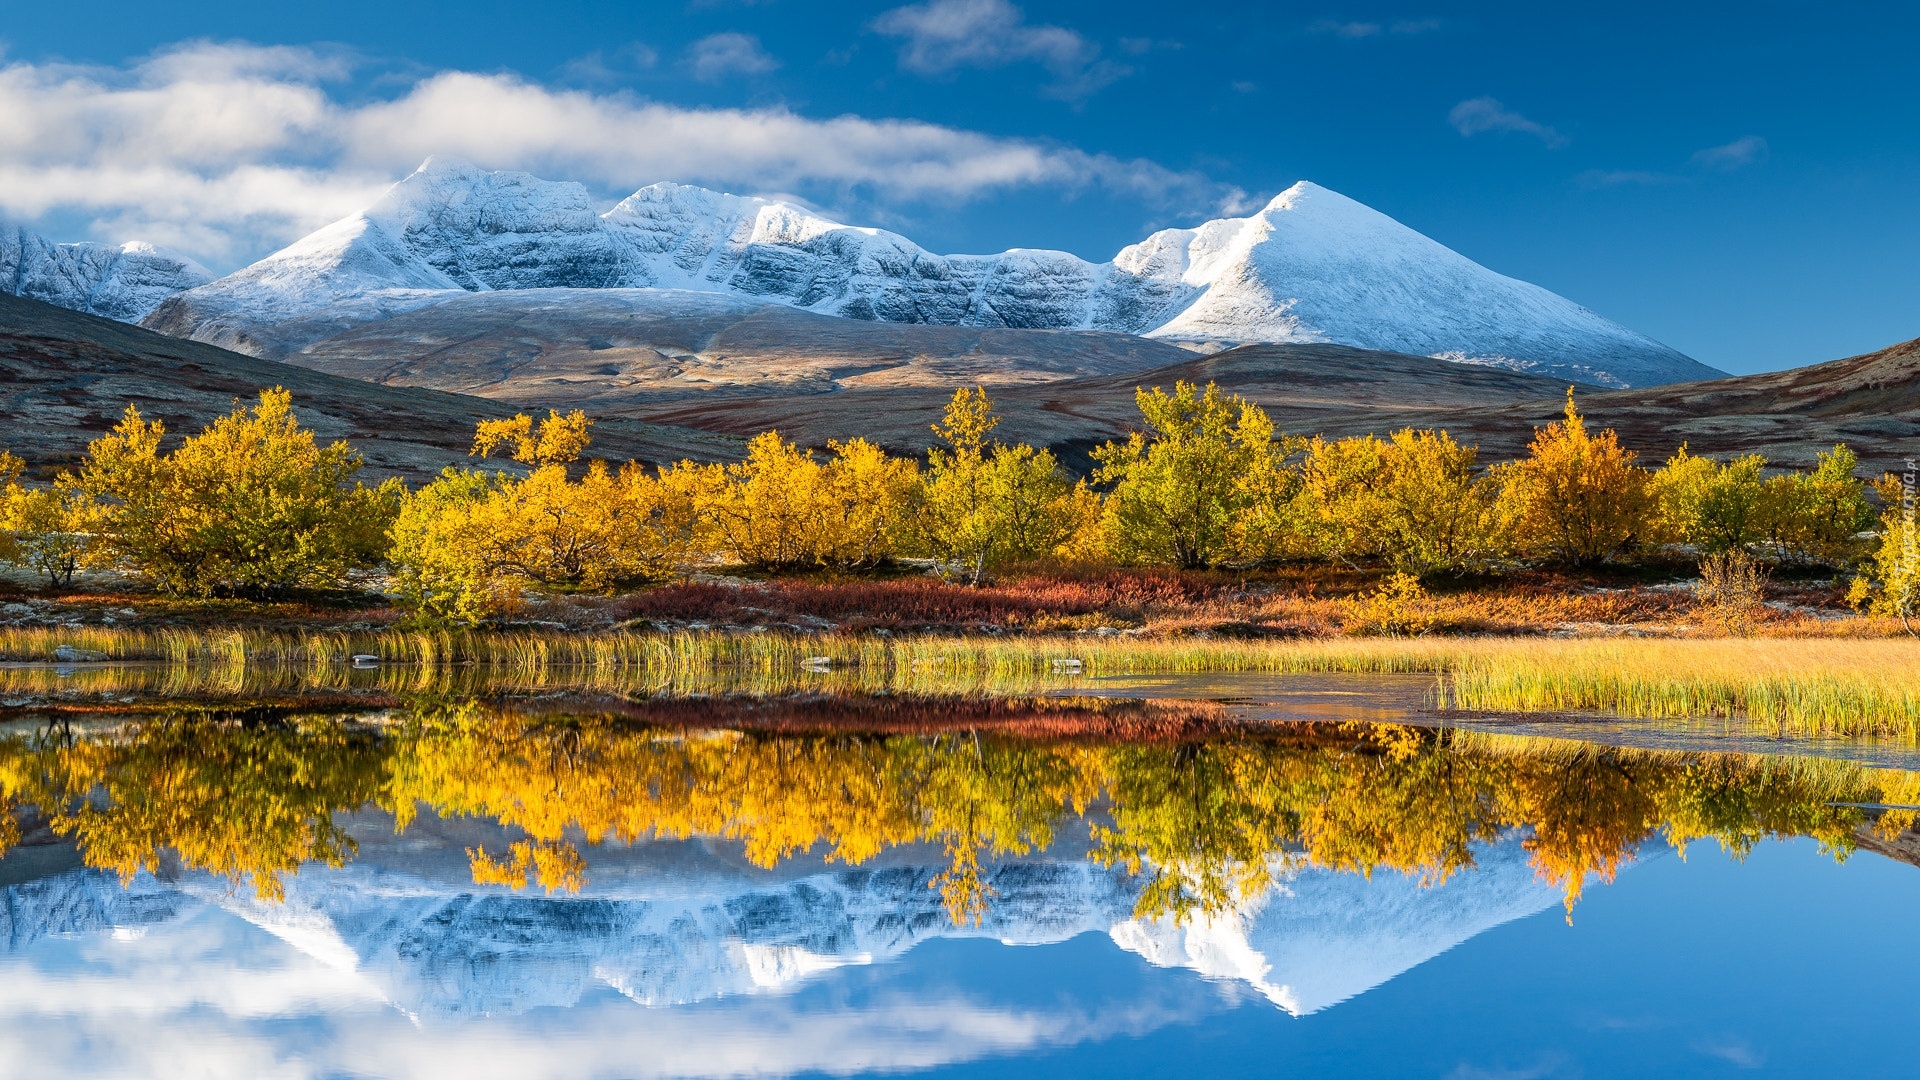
(1161, 877)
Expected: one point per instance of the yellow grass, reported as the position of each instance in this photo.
(1834, 686)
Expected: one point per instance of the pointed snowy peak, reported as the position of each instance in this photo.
(1315, 265)
(499, 230)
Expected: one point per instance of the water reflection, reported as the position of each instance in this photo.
(807, 881)
(1198, 816)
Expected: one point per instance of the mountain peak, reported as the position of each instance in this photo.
(1300, 189)
(1314, 265)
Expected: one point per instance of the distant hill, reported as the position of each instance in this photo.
(1305, 388)
(1870, 402)
(610, 350)
(66, 377)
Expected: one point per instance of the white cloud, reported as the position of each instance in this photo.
(1737, 154)
(1599, 178)
(223, 150)
(611, 66)
(722, 56)
(1485, 114)
(942, 35)
(1355, 30)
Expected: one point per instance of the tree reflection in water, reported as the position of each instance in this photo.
(1204, 816)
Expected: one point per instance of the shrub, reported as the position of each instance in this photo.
(44, 530)
(1817, 517)
(465, 544)
(987, 504)
(1397, 607)
(557, 440)
(1186, 490)
(10, 469)
(782, 508)
(1889, 582)
(1712, 506)
(251, 506)
(1730, 591)
(1577, 498)
(1411, 501)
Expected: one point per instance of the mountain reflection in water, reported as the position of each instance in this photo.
(470, 859)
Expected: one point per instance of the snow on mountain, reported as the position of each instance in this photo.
(1313, 265)
(432, 946)
(1321, 936)
(124, 282)
(82, 902)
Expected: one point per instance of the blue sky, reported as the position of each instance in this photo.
(1736, 180)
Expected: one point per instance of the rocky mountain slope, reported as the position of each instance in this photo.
(1312, 266)
(606, 350)
(66, 377)
(124, 282)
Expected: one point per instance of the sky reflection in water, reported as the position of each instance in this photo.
(704, 956)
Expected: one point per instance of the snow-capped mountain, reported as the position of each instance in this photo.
(124, 282)
(700, 931)
(1312, 265)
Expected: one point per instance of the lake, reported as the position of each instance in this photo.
(362, 876)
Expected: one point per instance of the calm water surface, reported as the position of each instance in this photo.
(1089, 881)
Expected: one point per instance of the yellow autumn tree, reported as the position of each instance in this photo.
(1889, 579)
(11, 467)
(1412, 501)
(1817, 516)
(557, 440)
(251, 506)
(1713, 506)
(984, 503)
(1184, 488)
(467, 544)
(785, 509)
(45, 529)
(1577, 498)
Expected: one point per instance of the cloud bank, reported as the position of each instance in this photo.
(218, 149)
(207, 995)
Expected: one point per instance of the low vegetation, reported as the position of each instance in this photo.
(1205, 541)
(1783, 686)
(254, 507)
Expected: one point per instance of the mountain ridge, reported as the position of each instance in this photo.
(124, 283)
(1312, 266)
(431, 948)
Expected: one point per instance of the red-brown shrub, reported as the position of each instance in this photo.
(912, 602)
